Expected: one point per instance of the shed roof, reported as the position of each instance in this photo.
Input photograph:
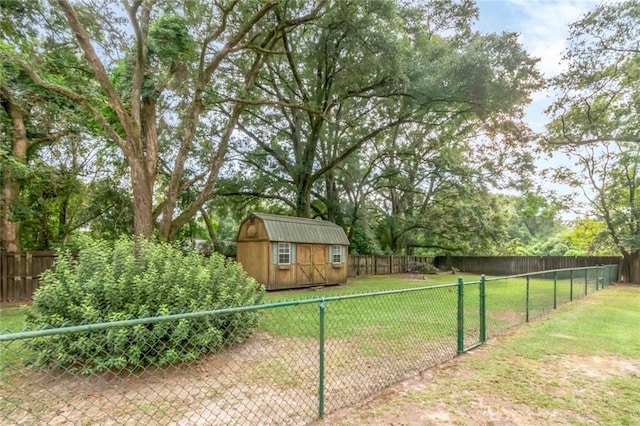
(300, 230)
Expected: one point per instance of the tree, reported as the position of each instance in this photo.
(354, 82)
(159, 67)
(328, 95)
(32, 118)
(596, 120)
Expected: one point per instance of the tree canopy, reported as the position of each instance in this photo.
(595, 122)
(396, 120)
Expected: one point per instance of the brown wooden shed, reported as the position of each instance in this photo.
(289, 252)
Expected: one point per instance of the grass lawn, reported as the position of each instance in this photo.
(393, 316)
(580, 365)
(11, 319)
(429, 312)
(368, 284)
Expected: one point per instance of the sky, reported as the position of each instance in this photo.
(543, 26)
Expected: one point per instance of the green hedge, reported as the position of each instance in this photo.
(126, 280)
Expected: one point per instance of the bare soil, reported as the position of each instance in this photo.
(269, 380)
(266, 380)
(428, 399)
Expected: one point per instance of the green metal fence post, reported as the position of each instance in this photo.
(597, 277)
(483, 310)
(586, 281)
(571, 288)
(555, 290)
(601, 269)
(460, 316)
(321, 361)
(527, 301)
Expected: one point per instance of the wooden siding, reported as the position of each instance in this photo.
(311, 268)
(255, 258)
(252, 231)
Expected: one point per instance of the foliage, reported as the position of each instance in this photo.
(392, 119)
(596, 121)
(136, 280)
(384, 109)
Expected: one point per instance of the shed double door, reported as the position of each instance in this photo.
(312, 264)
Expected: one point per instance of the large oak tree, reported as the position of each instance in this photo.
(161, 68)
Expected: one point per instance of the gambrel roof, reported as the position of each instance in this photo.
(300, 230)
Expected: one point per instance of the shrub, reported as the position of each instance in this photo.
(125, 280)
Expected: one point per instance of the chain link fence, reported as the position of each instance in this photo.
(308, 357)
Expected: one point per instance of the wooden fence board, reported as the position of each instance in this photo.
(512, 265)
(20, 272)
(363, 265)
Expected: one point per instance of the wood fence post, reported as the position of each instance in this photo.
(28, 279)
(17, 275)
(3, 277)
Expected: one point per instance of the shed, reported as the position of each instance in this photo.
(290, 252)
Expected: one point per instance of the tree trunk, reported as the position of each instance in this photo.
(630, 272)
(333, 200)
(142, 199)
(10, 232)
(303, 197)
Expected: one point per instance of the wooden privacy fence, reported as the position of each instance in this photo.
(511, 265)
(382, 265)
(20, 272)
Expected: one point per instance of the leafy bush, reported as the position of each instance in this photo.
(126, 280)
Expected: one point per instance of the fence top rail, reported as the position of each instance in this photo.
(528, 274)
(187, 315)
(527, 257)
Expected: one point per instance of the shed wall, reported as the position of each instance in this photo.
(255, 258)
(312, 265)
(252, 231)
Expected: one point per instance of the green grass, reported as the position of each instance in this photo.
(567, 364)
(11, 321)
(427, 313)
(365, 285)
(421, 313)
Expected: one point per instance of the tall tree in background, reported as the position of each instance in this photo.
(409, 88)
(597, 117)
(386, 117)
